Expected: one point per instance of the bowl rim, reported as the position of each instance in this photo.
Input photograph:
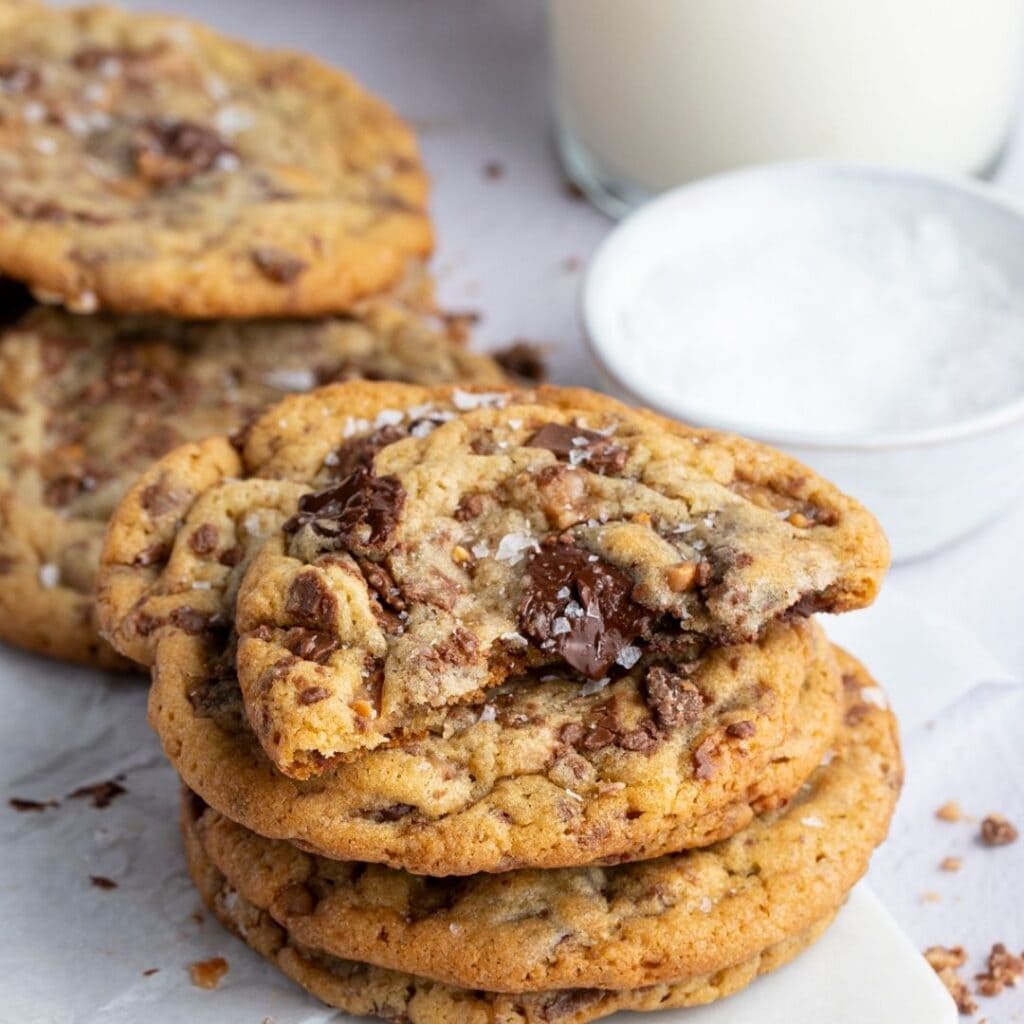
(988, 421)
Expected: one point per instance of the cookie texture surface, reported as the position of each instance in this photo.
(543, 773)
(366, 990)
(86, 404)
(419, 546)
(149, 165)
(623, 926)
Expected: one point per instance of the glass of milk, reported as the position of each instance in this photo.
(653, 93)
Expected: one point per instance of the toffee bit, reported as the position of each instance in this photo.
(997, 831)
(1002, 969)
(945, 961)
(208, 973)
(950, 811)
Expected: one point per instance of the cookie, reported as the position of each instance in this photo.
(545, 773)
(86, 403)
(624, 926)
(418, 546)
(365, 990)
(150, 165)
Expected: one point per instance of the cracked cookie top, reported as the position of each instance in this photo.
(406, 549)
(149, 165)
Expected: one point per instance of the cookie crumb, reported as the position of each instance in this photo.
(102, 882)
(208, 973)
(951, 863)
(1003, 969)
(930, 897)
(100, 794)
(494, 170)
(34, 806)
(997, 831)
(573, 191)
(950, 811)
(945, 961)
(150, 971)
(571, 264)
(523, 360)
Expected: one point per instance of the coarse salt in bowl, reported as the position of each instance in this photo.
(869, 321)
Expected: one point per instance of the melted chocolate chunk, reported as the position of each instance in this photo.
(310, 645)
(313, 695)
(581, 447)
(360, 453)
(672, 697)
(220, 700)
(153, 555)
(194, 622)
(277, 265)
(311, 603)
(169, 152)
(393, 813)
(580, 607)
(62, 490)
(569, 1003)
(203, 540)
(361, 513)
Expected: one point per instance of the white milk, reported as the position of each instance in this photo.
(652, 93)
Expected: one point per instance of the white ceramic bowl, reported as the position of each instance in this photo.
(928, 486)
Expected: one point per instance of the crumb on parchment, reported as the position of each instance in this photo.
(997, 831)
(208, 973)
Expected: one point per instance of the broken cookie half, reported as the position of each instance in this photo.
(376, 552)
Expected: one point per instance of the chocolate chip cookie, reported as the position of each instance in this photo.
(366, 990)
(547, 771)
(416, 547)
(149, 165)
(86, 403)
(625, 926)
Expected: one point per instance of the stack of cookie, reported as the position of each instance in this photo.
(506, 706)
(222, 225)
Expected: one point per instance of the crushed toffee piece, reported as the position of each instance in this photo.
(997, 831)
(950, 811)
(208, 973)
(945, 961)
(1003, 969)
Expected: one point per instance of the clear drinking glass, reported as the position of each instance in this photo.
(653, 93)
